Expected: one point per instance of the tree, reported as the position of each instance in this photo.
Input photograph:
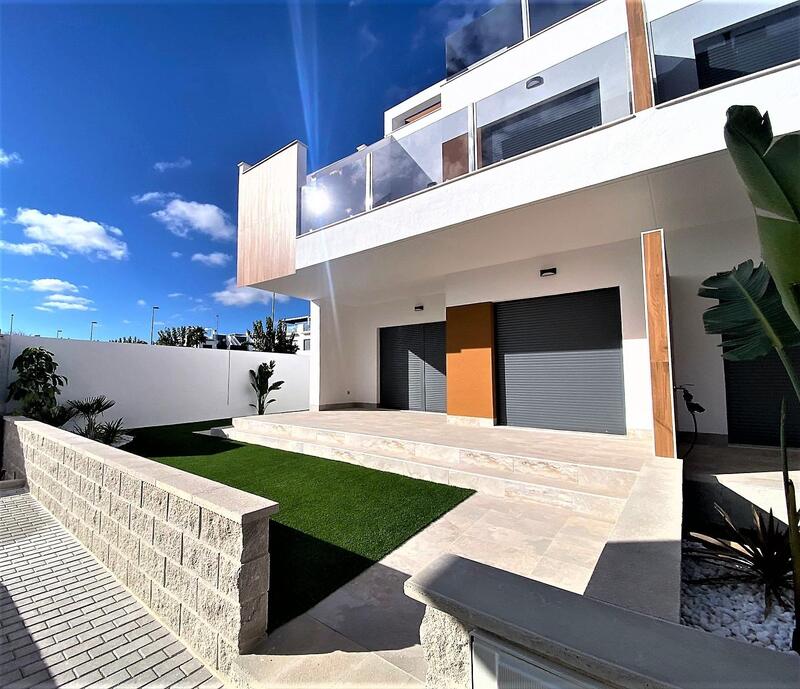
(129, 339)
(37, 383)
(759, 307)
(259, 381)
(184, 336)
(265, 337)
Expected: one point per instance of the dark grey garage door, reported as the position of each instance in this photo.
(754, 390)
(559, 362)
(412, 364)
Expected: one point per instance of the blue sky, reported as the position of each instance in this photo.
(121, 126)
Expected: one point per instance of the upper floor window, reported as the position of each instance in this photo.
(709, 43)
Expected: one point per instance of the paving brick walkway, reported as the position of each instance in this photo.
(65, 621)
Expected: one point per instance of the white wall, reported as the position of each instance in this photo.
(693, 254)
(349, 361)
(166, 385)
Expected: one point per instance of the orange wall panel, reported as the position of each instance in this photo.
(470, 360)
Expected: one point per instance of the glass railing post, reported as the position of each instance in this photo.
(526, 19)
(368, 169)
(472, 137)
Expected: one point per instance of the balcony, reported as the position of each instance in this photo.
(586, 91)
(523, 123)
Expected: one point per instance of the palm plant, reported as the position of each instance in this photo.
(90, 408)
(759, 307)
(260, 382)
(759, 554)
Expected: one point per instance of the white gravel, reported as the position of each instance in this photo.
(734, 610)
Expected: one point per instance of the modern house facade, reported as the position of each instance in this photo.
(525, 244)
(300, 328)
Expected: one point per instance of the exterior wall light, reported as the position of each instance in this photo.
(419, 307)
(547, 272)
(533, 82)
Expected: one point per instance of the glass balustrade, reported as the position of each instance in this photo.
(334, 193)
(492, 31)
(585, 91)
(711, 42)
(545, 13)
(405, 164)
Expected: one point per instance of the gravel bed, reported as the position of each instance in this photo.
(734, 610)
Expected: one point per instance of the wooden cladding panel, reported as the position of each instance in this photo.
(269, 207)
(658, 337)
(455, 157)
(470, 360)
(640, 56)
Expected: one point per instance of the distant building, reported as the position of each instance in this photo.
(217, 340)
(300, 326)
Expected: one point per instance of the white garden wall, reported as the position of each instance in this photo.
(164, 385)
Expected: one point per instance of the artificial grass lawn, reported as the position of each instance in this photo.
(335, 519)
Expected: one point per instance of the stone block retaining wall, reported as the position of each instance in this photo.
(193, 550)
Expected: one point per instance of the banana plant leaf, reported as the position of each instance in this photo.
(770, 169)
(750, 315)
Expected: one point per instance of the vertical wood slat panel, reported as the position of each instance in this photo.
(658, 338)
(639, 56)
(269, 208)
(470, 360)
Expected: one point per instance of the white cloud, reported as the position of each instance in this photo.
(240, 296)
(2, 212)
(175, 295)
(182, 217)
(28, 248)
(68, 302)
(7, 159)
(216, 259)
(125, 321)
(73, 234)
(368, 41)
(176, 254)
(52, 285)
(43, 308)
(40, 285)
(157, 197)
(141, 302)
(232, 295)
(179, 164)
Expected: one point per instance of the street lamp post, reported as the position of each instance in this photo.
(91, 330)
(217, 331)
(152, 323)
(11, 327)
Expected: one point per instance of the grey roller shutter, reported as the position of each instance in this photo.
(402, 368)
(753, 392)
(435, 358)
(541, 124)
(765, 41)
(412, 367)
(559, 362)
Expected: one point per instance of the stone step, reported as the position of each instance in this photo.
(578, 473)
(596, 500)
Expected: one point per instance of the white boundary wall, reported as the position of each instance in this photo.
(163, 385)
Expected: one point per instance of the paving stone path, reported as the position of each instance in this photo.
(65, 621)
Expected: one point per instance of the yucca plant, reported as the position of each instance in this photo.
(260, 382)
(109, 432)
(760, 554)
